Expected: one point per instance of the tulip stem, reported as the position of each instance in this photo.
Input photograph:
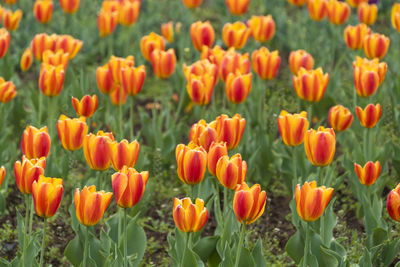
(191, 194)
(86, 252)
(366, 144)
(120, 116)
(131, 118)
(27, 212)
(199, 190)
(43, 242)
(31, 216)
(294, 162)
(306, 245)
(309, 113)
(40, 103)
(239, 249)
(125, 241)
(225, 200)
(184, 250)
(217, 203)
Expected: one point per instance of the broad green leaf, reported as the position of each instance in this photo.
(206, 246)
(246, 259)
(136, 241)
(295, 247)
(74, 251)
(258, 256)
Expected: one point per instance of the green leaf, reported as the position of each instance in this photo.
(295, 247)
(226, 257)
(189, 259)
(329, 222)
(206, 246)
(329, 257)
(365, 260)
(379, 235)
(4, 263)
(258, 256)
(74, 251)
(136, 241)
(246, 259)
(390, 251)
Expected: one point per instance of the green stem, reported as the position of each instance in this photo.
(43, 242)
(199, 190)
(86, 250)
(294, 162)
(120, 116)
(239, 249)
(119, 228)
(40, 103)
(225, 200)
(31, 216)
(366, 145)
(131, 119)
(191, 194)
(309, 113)
(50, 119)
(306, 245)
(354, 99)
(218, 204)
(125, 241)
(186, 246)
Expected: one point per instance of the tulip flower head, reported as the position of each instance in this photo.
(26, 59)
(56, 58)
(338, 12)
(367, 13)
(356, 3)
(310, 85)
(320, 145)
(51, 79)
(232, 62)
(265, 63)
(202, 134)
(2, 174)
(42, 10)
(47, 194)
(132, 79)
(118, 96)
(4, 41)
(249, 203)
(97, 150)
(86, 106)
(202, 34)
(236, 34)
(69, 6)
(11, 19)
(163, 62)
(149, 43)
(188, 216)
(293, 127)
(370, 116)
(216, 151)
(104, 79)
(262, 27)
(68, 44)
(395, 16)
(192, 3)
(35, 142)
(393, 203)
(7, 91)
(107, 22)
(238, 87)
(354, 35)
(376, 45)
(27, 171)
(237, 7)
(231, 171)
(124, 154)
(368, 75)
(297, 2)
(71, 132)
(214, 55)
(300, 59)
(116, 64)
(317, 9)
(167, 31)
(192, 163)
(369, 173)
(129, 12)
(229, 130)
(340, 118)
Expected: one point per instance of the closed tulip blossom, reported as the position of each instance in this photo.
(11, 19)
(340, 118)
(229, 130)
(300, 59)
(320, 146)
(2, 174)
(236, 34)
(107, 22)
(189, 217)
(297, 2)
(71, 132)
(367, 13)
(167, 31)
(35, 142)
(116, 64)
(231, 171)
(124, 154)
(7, 91)
(293, 127)
(232, 62)
(376, 45)
(202, 134)
(393, 203)
(192, 3)
(51, 79)
(149, 43)
(395, 16)
(69, 6)
(370, 115)
(249, 203)
(104, 79)
(311, 201)
(129, 12)
(163, 62)
(310, 85)
(26, 59)
(85, 107)
(237, 7)
(42, 10)
(238, 87)
(10, 2)
(42, 42)
(200, 88)
(4, 41)
(132, 79)
(192, 163)
(216, 151)
(47, 194)
(265, 63)
(97, 150)
(354, 35)
(369, 173)
(368, 75)
(356, 3)
(338, 12)
(27, 171)
(56, 58)
(118, 96)
(214, 55)
(317, 9)
(68, 44)
(202, 34)
(262, 27)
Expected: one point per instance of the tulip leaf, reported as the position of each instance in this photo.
(136, 241)
(295, 247)
(365, 260)
(330, 221)
(206, 246)
(330, 257)
(257, 254)
(179, 243)
(379, 235)
(226, 257)
(74, 251)
(390, 251)
(246, 259)
(189, 259)
(172, 251)
(4, 263)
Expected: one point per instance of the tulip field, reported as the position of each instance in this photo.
(185, 133)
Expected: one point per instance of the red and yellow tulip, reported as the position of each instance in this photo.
(118, 96)
(229, 130)
(192, 163)
(393, 203)
(368, 75)
(7, 91)
(310, 85)
(232, 62)
(297, 2)
(26, 59)
(216, 151)
(214, 55)
(265, 63)
(70, 6)
(149, 43)
(367, 13)
(338, 12)
(231, 171)
(376, 45)
(42, 10)
(300, 59)
(237, 7)
(68, 44)
(97, 150)
(369, 173)
(163, 62)
(28, 171)
(249, 203)
(293, 127)
(262, 28)
(167, 31)
(238, 87)
(71, 132)
(320, 145)
(317, 9)
(340, 118)
(107, 22)
(236, 34)
(86, 106)
(35, 142)
(51, 79)
(370, 116)
(354, 35)
(56, 58)
(202, 34)
(192, 3)
(356, 3)
(11, 19)
(124, 154)
(129, 12)
(116, 64)
(202, 135)
(395, 16)
(2, 174)
(104, 79)
(47, 193)
(189, 217)
(132, 79)
(4, 41)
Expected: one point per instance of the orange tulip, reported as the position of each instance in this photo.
(192, 3)
(42, 10)
(163, 63)
(300, 59)
(369, 173)
(107, 22)
(129, 12)
(192, 163)
(338, 12)
(201, 68)
(297, 2)
(370, 116)
(111, 6)
(311, 201)
(189, 217)
(214, 55)
(238, 87)
(149, 43)
(249, 203)
(202, 34)
(202, 135)
(2, 174)
(167, 31)
(69, 6)
(216, 151)
(367, 13)
(7, 91)
(71, 132)
(118, 96)
(68, 44)
(393, 203)
(395, 16)
(42, 42)
(26, 59)
(310, 85)
(231, 172)
(354, 35)
(104, 79)
(200, 88)
(11, 19)
(116, 64)
(132, 79)
(56, 58)
(265, 63)
(293, 127)
(229, 130)
(376, 45)
(340, 118)
(47, 194)
(317, 9)
(237, 7)
(262, 27)
(124, 154)
(28, 171)
(128, 186)
(368, 75)
(86, 106)
(91, 205)
(51, 79)
(97, 150)
(233, 62)
(356, 3)
(35, 142)
(10, 2)
(320, 145)
(4, 41)
(236, 34)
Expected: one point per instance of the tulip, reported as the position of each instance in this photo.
(128, 186)
(189, 217)
(297, 2)
(118, 96)
(51, 79)
(35, 142)
(28, 171)
(265, 63)
(229, 130)
(111, 6)
(97, 150)
(370, 116)
(4, 41)
(293, 127)
(132, 79)
(238, 87)
(311, 201)
(91, 205)
(42, 10)
(2, 174)
(129, 12)
(69, 6)
(338, 12)
(233, 62)
(149, 43)
(310, 85)
(356, 3)
(47, 194)
(202, 34)
(124, 154)
(237, 7)
(317, 9)
(368, 75)
(249, 203)
(42, 42)
(300, 59)
(107, 22)
(104, 79)
(7, 91)
(231, 172)
(192, 3)
(214, 55)
(376, 45)
(167, 31)
(262, 27)
(369, 173)
(367, 13)
(236, 34)
(68, 44)
(340, 118)
(116, 64)
(393, 203)
(200, 88)
(86, 106)
(354, 35)
(395, 16)
(26, 59)
(56, 58)
(163, 63)
(71, 132)
(216, 151)
(11, 19)
(320, 146)
(201, 68)
(192, 163)
(202, 135)
(10, 2)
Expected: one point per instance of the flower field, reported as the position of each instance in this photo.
(229, 133)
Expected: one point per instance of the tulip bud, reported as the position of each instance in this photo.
(265, 63)
(367, 13)
(249, 203)
(71, 132)
(104, 79)
(317, 9)
(47, 194)
(369, 173)
(4, 41)
(192, 163)
(300, 59)
(118, 96)
(68, 44)
(149, 43)
(42, 42)
(237, 7)
(69, 6)
(86, 106)
(2, 174)
(233, 62)
(26, 59)
(311, 201)
(11, 19)
(214, 55)
(393, 203)
(216, 151)
(202, 34)
(132, 79)
(28, 171)
(189, 217)
(376, 45)
(340, 118)
(297, 2)
(56, 58)
(262, 27)
(51, 79)
(128, 186)
(320, 146)
(229, 130)
(7, 91)
(10, 2)
(192, 3)
(368, 75)
(107, 22)
(35, 143)
(42, 10)
(124, 154)
(231, 172)
(115, 64)
(167, 31)
(354, 35)
(370, 116)
(97, 150)
(163, 63)
(91, 205)
(356, 3)
(238, 87)
(202, 135)
(129, 12)
(110, 6)
(338, 12)
(236, 34)
(395, 16)
(293, 127)
(310, 85)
